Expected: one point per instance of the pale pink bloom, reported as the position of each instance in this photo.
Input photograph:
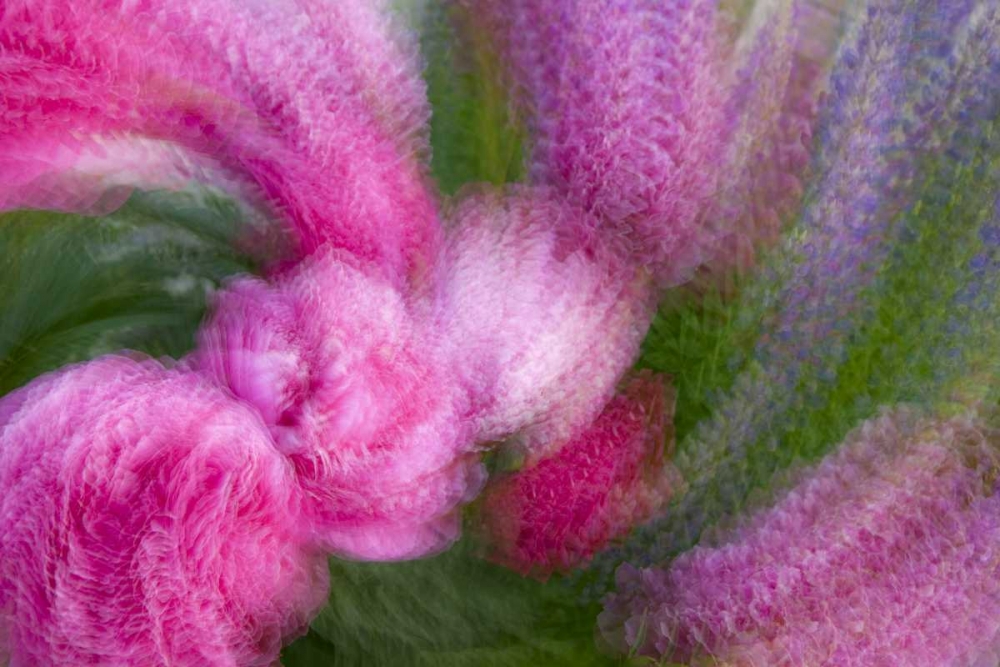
(542, 311)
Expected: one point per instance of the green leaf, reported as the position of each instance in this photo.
(452, 609)
(476, 136)
(74, 287)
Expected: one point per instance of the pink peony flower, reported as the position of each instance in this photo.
(147, 520)
(348, 378)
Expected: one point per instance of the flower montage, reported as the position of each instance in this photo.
(160, 512)
(181, 511)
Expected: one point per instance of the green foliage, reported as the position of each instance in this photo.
(453, 609)
(475, 135)
(74, 287)
(695, 338)
(903, 356)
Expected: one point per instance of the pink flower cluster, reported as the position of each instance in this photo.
(888, 553)
(179, 512)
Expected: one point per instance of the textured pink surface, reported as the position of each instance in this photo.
(888, 553)
(337, 163)
(543, 311)
(775, 77)
(157, 515)
(378, 398)
(348, 378)
(147, 519)
(362, 405)
(626, 103)
(553, 515)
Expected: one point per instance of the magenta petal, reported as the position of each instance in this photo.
(348, 377)
(555, 514)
